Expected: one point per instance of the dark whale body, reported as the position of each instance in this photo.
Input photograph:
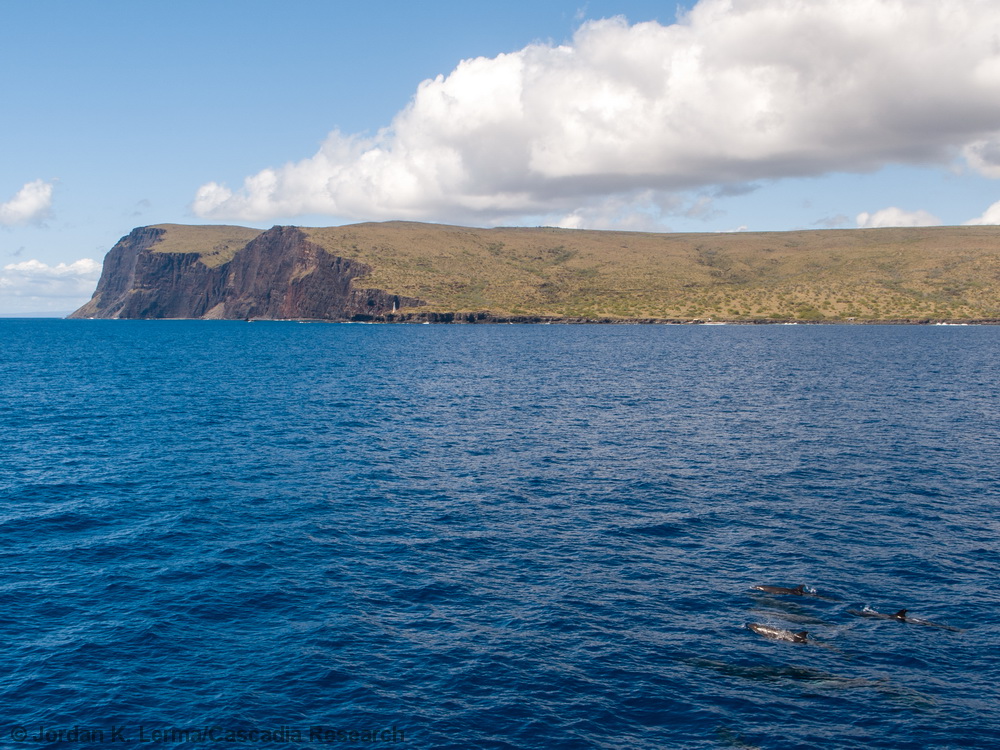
(900, 616)
(778, 634)
(797, 591)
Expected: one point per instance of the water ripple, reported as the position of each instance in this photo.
(502, 536)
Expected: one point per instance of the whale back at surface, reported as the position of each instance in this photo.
(778, 634)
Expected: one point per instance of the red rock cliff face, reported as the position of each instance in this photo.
(279, 274)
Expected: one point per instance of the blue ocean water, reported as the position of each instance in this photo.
(497, 536)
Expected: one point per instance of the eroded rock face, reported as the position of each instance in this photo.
(279, 274)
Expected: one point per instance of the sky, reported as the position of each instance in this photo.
(710, 116)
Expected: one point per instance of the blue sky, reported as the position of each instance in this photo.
(721, 116)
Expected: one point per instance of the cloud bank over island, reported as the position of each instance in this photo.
(990, 216)
(629, 123)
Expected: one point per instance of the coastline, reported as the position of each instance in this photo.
(483, 318)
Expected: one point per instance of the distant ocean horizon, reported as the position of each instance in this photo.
(36, 315)
(498, 536)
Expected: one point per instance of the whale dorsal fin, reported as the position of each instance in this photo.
(800, 589)
(801, 636)
(901, 615)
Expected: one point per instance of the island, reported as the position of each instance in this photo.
(400, 271)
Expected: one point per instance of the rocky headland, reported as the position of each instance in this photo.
(277, 274)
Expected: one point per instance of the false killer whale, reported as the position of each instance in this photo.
(799, 590)
(899, 616)
(778, 634)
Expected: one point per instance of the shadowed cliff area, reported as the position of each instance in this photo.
(403, 271)
(172, 271)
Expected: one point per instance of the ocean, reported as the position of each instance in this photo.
(276, 534)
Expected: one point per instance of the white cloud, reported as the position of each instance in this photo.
(897, 217)
(737, 91)
(642, 212)
(35, 268)
(984, 156)
(31, 204)
(33, 286)
(990, 216)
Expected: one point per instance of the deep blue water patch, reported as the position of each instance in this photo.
(500, 536)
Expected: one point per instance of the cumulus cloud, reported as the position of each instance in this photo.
(737, 91)
(31, 204)
(990, 216)
(897, 217)
(33, 286)
(641, 212)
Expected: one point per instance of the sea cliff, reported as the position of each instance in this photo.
(277, 274)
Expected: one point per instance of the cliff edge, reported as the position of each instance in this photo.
(174, 271)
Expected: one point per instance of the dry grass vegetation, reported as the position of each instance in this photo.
(870, 274)
(938, 273)
(216, 244)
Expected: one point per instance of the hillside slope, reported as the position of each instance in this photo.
(410, 271)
